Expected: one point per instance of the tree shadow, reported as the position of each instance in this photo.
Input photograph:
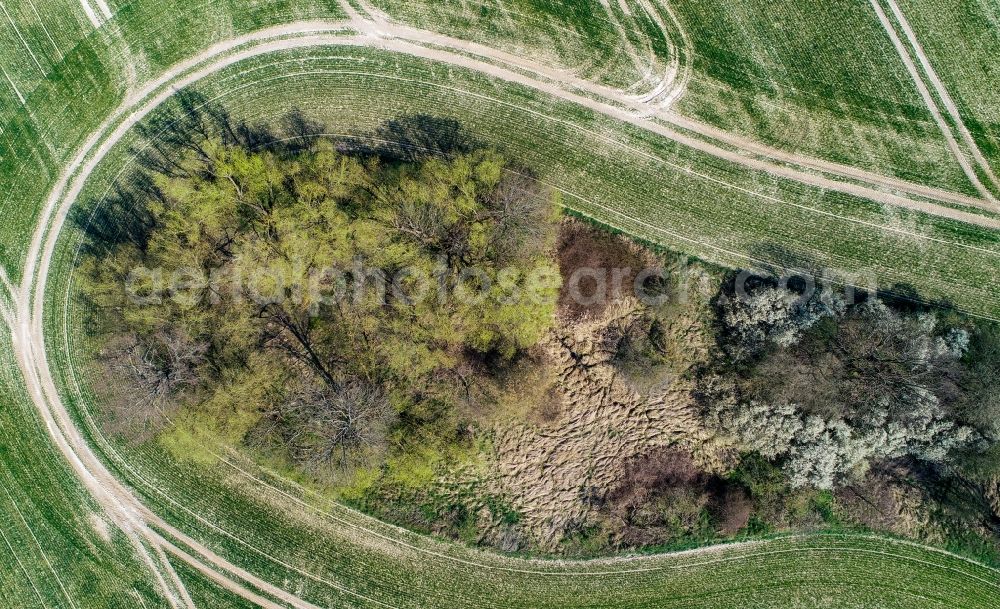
(120, 218)
(413, 138)
(190, 121)
(906, 298)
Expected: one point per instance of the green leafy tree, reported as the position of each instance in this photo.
(356, 295)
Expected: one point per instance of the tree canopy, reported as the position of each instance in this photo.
(338, 292)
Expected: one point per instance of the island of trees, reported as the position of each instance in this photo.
(373, 316)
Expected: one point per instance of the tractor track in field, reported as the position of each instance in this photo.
(977, 160)
(655, 115)
(610, 102)
(26, 315)
(944, 96)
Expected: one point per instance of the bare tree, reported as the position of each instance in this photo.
(880, 352)
(156, 371)
(519, 208)
(336, 425)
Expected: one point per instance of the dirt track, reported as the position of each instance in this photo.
(932, 107)
(611, 102)
(942, 93)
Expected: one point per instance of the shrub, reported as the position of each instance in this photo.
(869, 383)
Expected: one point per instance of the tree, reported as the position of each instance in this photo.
(772, 316)
(313, 260)
(839, 387)
(156, 369)
(342, 425)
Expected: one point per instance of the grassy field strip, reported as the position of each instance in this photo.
(561, 568)
(20, 565)
(706, 132)
(643, 66)
(695, 564)
(804, 207)
(223, 566)
(946, 130)
(41, 551)
(843, 92)
(207, 593)
(582, 36)
(833, 169)
(24, 43)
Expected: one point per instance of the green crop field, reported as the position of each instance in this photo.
(58, 549)
(72, 96)
(820, 79)
(963, 53)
